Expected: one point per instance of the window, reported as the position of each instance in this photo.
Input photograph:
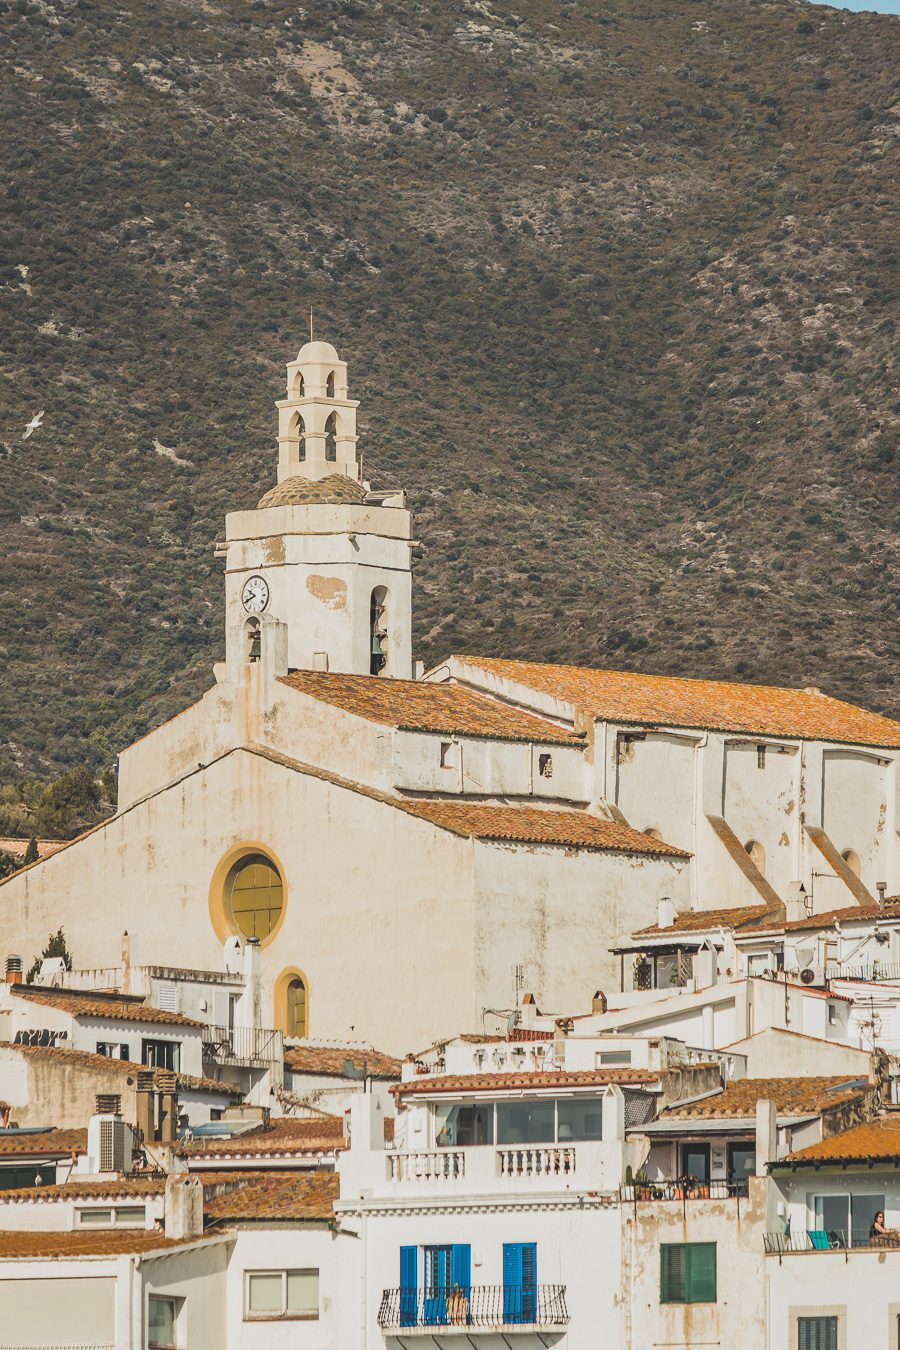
(578, 1119)
(817, 1333)
(846, 1218)
(113, 1049)
(851, 858)
(123, 1216)
(329, 386)
(614, 1059)
(331, 438)
(757, 854)
(695, 1161)
(525, 1122)
(461, 1126)
(760, 756)
(687, 1272)
(378, 631)
(300, 387)
(162, 1322)
(295, 1008)
(741, 1162)
(298, 433)
(448, 755)
(832, 1014)
(545, 766)
(161, 1054)
(271, 1294)
(254, 895)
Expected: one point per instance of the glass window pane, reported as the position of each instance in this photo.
(614, 1058)
(525, 1123)
(863, 1209)
(741, 1161)
(131, 1216)
(94, 1218)
(695, 1161)
(303, 1293)
(460, 1126)
(161, 1321)
(256, 895)
(265, 1292)
(832, 1213)
(580, 1119)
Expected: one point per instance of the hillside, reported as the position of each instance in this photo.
(614, 285)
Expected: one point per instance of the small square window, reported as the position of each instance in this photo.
(94, 1218)
(687, 1272)
(272, 1295)
(545, 766)
(162, 1323)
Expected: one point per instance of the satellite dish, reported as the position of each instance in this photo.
(512, 1021)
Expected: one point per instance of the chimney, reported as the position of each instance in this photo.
(129, 960)
(14, 970)
(795, 906)
(251, 1006)
(598, 1002)
(184, 1206)
(144, 1106)
(881, 888)
(167, 1082)
(766, 1134)
(665, 913)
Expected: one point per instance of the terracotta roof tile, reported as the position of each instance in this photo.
(120, 1187)
(286, 1136)
(83, 1059)
(333, 489)
(873, 1141)
(661, 700)
(84, 1003)
(23, 1244)
(416, 705)
(792, 1096)
(700, 920)
(511, 1082)
(330, 1061)
(849, 914)
(293, 1195)
(47, 1143)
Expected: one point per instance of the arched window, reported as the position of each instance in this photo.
(254, 895)
(378, 630)
(253, 634)
(331, 438)
(329, 386)
(851, 858)
(757, 855)
(299, 386)
(296, 1022)
(298, 433)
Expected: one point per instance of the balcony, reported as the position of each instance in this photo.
(488, 1307)
(543, 1166)
(831, 1240)
(877, 971)
(684, 1188)
(247, 1046)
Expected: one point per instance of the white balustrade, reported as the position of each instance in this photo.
(546, 1161)
(442, 1165)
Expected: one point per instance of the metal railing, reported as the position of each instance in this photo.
(829, 1240)
(242, 1045)
(878, 970)
(684, 1188)
(498, 1306)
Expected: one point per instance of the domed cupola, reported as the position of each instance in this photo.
(317, 421)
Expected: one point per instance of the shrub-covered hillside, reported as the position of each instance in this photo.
(614, 285)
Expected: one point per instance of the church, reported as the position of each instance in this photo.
(410, 849)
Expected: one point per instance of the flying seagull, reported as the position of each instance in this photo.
(33, 425)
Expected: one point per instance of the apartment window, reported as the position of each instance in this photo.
(846, 1219)
(513, 1123)
(545, 766)
(614, 1059)
(687, 1272)
(161, 1054)
(113, 1049)
(162, 1322)
(288, 1294)
(525, 1122)
(122, 1216)
(817, 1333)
(460, 1126)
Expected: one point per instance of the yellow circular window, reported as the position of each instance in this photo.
(254, 895)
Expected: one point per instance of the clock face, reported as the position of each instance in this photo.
(255, 595)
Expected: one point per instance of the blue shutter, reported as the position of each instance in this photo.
(520, 1282)
(461, 1267)
(409, 1259)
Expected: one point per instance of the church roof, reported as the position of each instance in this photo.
(336, 489)
(663, 700)
(417, 705)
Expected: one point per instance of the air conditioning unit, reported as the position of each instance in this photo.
(808, 975)
(109, 1144)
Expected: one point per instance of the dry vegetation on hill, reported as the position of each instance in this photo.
(613, 281)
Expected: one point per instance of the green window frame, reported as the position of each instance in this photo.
(817, 1333)
(687, 1272)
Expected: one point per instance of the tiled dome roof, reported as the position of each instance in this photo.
(337, 488)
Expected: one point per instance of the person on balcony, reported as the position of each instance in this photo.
(881, 1236)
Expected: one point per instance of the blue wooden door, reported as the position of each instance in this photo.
(520, 1282)
(437, 1285)
(409, 1259)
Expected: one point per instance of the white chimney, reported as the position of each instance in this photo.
(184, 1206)
(665, 913)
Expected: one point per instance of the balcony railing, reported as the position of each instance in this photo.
(685, 1188)
(548, 1161)
(242, 1045)
(541, 1164)
(497, 1306)
(829, 1240)
(878, 970)
(443, 1165)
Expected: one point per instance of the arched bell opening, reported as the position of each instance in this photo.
(331, 428)
(252, 640)
(378, 630)
(329, 385)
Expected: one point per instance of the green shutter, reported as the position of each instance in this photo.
(701, 1272)
(687, 1272)
(817, 1333)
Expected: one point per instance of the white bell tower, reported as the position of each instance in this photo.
(318, 576)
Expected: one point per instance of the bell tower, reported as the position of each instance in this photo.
(317, 421)
(318, 576)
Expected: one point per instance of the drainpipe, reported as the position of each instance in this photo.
(697, 812)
